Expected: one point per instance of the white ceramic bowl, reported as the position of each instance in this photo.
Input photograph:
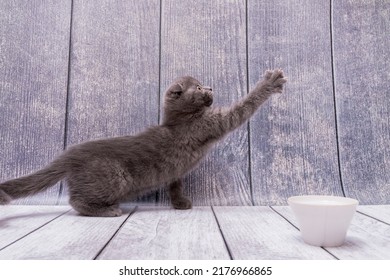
(323, 220)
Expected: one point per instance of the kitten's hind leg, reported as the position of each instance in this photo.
(178, 200)
(95, 210)
(95, 189)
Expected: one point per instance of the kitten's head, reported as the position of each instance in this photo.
(187, 95)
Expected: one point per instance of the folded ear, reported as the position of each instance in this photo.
(176, 90)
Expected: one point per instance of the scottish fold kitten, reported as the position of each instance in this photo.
(101, 173)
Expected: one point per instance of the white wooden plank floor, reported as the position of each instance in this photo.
(149, 232)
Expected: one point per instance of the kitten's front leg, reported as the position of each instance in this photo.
(231, 118)
(178, 200)
(272, 82)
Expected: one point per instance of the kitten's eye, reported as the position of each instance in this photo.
(199, 88)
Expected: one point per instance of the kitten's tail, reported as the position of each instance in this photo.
(33, 183)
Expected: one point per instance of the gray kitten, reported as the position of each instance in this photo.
(102, 173)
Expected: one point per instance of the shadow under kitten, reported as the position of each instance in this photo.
(101, 173)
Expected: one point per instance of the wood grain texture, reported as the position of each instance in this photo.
(121, 63)
(361, 32)
(114, 69)
(34, 42)
(18, 221)
(206, 40)
(257, 232)
(45, 232)
(68, 237)
(293, 138)
(380, 212)
(164, 233)
(366, 238)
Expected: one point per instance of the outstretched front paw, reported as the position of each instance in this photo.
(273, 81)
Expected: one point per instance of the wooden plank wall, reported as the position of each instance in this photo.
(78, 70)
(361, 33)
(203, 41)
(293, 139)
(114, 75)
(34, 48)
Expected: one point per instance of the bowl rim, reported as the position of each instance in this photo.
(318, 200)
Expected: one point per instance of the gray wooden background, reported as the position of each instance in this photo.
(72, 71)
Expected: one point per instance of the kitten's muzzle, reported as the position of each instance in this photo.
(208, 98)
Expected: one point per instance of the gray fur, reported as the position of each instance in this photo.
(102, 173)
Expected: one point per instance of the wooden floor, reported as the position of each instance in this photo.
(148, 232)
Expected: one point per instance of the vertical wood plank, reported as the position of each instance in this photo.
(257, 232)
(69, 237)
(163, 233)
(361, 54)
(34, 49)
(114, 69)
(206, 40)
(293, 139)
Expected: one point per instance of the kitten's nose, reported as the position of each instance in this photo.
(208, 88)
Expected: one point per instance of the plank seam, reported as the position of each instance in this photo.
(67, 96)
(223, 236)
(247, 91)
(157, 194)
(377, 219)
(116, 232)
(273, 209)
(34, 230)
(334, 96)
(159, 64)
(326, 250)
